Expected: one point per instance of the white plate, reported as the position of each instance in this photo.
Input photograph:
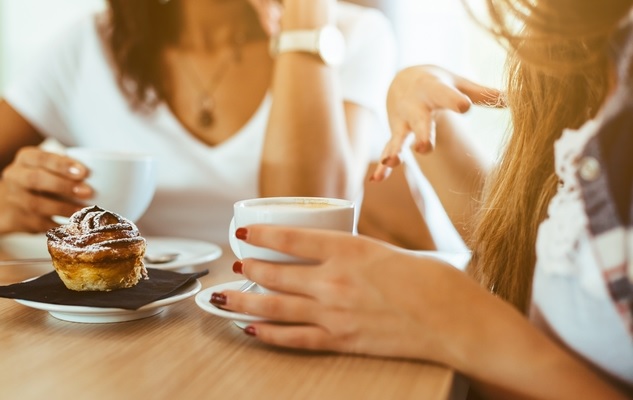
(192, 252)
(98, 315)
(203, 297)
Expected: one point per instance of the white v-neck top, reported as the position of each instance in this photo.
(70, 94)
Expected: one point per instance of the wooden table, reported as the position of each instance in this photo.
(186, 353)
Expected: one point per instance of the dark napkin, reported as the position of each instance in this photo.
(50, 289)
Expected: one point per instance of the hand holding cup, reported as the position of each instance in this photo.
(122, 182)
(307, 212)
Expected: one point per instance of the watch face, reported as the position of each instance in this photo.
(331, 45)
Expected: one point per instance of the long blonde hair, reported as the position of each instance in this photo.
(558, 75)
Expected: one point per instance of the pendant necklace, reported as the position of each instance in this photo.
(206, 102)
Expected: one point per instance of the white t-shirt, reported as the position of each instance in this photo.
(70, 94)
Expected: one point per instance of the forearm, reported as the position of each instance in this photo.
(15, 133)
(503, 353)
(456, 171)
(308, 149)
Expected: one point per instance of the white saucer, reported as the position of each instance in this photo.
(98, 315)
(192, 252)
(203, 297)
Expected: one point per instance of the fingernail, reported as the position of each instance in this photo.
(250, 330)
(241, 233)
(390, 161)
(237, 267)
(218, 299)
(74, 170)
(422, 147)
(81, 190)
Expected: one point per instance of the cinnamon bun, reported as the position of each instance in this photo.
(97, 250)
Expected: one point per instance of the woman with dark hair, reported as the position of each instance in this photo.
(232, 98)
(546, 310)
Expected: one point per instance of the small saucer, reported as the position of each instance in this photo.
(203, 301)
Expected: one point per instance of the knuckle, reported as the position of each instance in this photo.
(272, 306)
(32, 178)
(336, 290)
(287, 241)
(41, 157)
(10, 173)
(33, 203)
(22, 154)
(266, 276)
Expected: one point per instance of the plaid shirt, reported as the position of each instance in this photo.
(583, 281)
(604, 174)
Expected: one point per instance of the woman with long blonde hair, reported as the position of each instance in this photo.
(552, 240)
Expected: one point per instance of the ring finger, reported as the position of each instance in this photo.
(273, 307)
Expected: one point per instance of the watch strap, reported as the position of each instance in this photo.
(298, 40)
(327, 43)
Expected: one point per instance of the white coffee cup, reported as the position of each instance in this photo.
(123, 182)
(308, 212)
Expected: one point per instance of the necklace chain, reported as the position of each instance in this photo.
(206, 116)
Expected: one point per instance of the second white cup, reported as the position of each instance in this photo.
(123, 182)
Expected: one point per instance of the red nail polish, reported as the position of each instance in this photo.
(422, 147)
(250, 330)
(218, 299)
(237, 267)
(241, 233)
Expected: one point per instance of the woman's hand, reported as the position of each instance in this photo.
(269, 12)
(365, 297)
(414, 96)
(362, 296)
(37, 186)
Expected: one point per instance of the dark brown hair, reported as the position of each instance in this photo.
(136, 32)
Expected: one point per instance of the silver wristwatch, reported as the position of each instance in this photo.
(327, 43)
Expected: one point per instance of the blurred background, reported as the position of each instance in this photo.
(428, 31)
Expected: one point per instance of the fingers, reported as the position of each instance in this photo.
(287, 278)
(40, 206)
(448, 97)
(381, 173)
(424, 132)
(43, 180)
(39, 185)
(308, 337)
(390, 157)
(18, 220)
(39, 171)
(479, 94)
(279, 308)
(33, 157)
(311, 244)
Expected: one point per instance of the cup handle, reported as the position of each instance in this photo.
(233, 240)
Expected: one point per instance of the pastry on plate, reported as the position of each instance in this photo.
(97, 250)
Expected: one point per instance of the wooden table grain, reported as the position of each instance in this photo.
(186, 353)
